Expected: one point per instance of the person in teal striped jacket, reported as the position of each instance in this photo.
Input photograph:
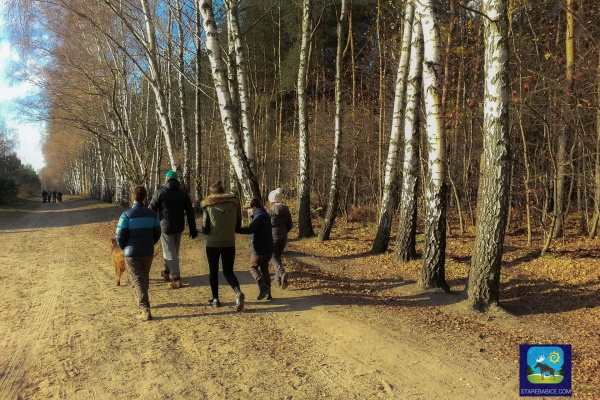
(137, 232)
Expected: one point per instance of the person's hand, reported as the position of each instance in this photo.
(193, 233)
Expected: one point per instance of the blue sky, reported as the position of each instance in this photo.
(29, 134)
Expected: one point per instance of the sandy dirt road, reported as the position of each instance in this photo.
(68, 332)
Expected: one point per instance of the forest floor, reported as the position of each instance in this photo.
(350, 326)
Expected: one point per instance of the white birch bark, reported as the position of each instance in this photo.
(492, 209)
(332, 204)
(197, 115)
(386, 209)
(157, 84)
(304, 218)
(407, 216)
(433, 273)
(243, 85)
(185, 136)
(219, 72)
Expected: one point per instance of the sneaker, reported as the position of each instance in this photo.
(239, 301)
(144, 315)
(214, 302)
(166, 276)
(284, 281)
(176, 284)
(268, 296)
(264, 290)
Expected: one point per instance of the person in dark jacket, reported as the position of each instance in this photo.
(137, 232)
(172, 204)
(261, 246)
(221, 218)
(281, 223)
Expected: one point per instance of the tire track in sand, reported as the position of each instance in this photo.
(41, 303)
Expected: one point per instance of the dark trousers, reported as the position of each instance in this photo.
(139, 270)
(259, 267)
(278, 247)
(227, 256)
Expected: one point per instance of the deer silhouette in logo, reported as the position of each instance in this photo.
(544, 367)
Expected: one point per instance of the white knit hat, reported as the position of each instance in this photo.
(275, 196)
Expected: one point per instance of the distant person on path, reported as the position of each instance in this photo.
(261, 247)
(59, 196)
(44, 196)
(221, 218)
(49, 196)
(173, 206)
(281, 223)
(137, 232)
(54, 196)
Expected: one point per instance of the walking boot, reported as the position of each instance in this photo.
(144, 315)
(239, 301)
(263, 289)
(176, 284)
(284, 281)
(166, 276)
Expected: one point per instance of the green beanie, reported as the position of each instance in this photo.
(172, 175)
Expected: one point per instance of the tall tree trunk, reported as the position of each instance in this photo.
(484, 274)
(433, 271)
(197, 116)
(243, 172)
(334, 190)
(241, 68)
(381, 97)
(389, 197)
(562, 152)
(305, 228)
(407, 216)
(185, 137)
(596, 218)
(157, 86)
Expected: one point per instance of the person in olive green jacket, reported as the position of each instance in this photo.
(221, 218)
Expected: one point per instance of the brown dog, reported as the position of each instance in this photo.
(118, 260)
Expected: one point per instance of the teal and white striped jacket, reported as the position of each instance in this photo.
(138, 231)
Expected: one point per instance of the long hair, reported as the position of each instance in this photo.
(216, 188)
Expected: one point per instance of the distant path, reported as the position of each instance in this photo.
(67, 332)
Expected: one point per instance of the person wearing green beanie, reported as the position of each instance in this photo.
(173, 206)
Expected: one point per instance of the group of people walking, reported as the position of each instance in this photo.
(51, 196)
(141, 227)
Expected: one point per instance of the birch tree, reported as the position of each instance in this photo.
(198, 111)
(388, 200)
(305, 228)
(147, 39)
(239, 161)
(434, 257)
(243, 87)
(407, 216)
(334, 192)
(183, 101)
(492, 209)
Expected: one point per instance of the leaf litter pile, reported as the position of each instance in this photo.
(553, 299)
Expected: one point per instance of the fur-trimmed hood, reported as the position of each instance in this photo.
(214, 199)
